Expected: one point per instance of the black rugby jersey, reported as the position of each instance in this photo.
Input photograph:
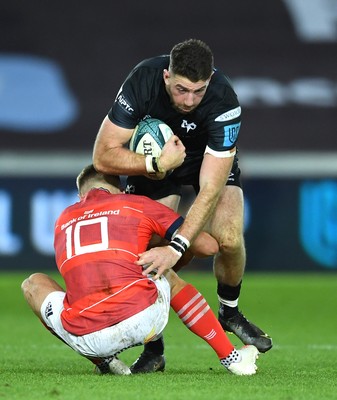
(215, 122)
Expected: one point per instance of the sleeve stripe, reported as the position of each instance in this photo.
(221, 154)
(173, 228)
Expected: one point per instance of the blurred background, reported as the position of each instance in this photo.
(61, 65)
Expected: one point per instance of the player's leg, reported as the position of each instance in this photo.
(138, 329)
(227, 226)
(36, 288)
(45, 297)
(195, 313)
(152, 359)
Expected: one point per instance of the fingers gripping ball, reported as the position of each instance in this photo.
(149, 137)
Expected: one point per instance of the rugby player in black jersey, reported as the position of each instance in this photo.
(197, 101)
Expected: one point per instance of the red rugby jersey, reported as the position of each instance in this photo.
(96, 242)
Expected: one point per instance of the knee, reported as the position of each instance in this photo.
(231, 242)
(27, 286)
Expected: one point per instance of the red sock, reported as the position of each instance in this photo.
(194, 311)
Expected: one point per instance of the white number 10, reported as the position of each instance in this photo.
(74, 246)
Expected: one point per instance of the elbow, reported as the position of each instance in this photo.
(96, 158)
(97, 164)
(100, 163)
(101, 168)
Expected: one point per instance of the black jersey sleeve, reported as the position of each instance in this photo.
(136, 94)
(125, 111)
(223, 123)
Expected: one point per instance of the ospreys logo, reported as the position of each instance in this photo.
(130, 189)
(188, 126)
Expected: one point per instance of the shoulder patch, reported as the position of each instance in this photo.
(231, 134)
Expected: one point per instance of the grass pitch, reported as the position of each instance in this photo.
(297, 310)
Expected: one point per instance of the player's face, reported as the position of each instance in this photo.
(184, 94)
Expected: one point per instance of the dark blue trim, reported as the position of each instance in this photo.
(176, 224)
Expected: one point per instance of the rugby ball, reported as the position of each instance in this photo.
(149, 137)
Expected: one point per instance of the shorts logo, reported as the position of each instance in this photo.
(231, 134)
(130, 189)
(188, 126)
(227, 116)
(231, 177)
(49, 310)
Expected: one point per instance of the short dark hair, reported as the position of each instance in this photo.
(192, 59)
(89, 174)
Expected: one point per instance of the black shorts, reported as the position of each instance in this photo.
(186, 175)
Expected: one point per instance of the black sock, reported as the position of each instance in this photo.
(230, 293)
(227, 292)
(156, 346)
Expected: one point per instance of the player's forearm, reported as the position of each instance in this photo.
(118, 161)
(110, 156)
(213, 176)
(199, 213)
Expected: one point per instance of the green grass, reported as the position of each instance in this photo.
(298, 311)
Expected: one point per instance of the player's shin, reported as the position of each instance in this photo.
(196, 314)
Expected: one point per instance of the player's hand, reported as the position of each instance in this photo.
(173, 154)
(158, 260)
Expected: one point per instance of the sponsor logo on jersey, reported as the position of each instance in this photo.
(188, 126)
(124, 104)
(228, 115)
(231, 134)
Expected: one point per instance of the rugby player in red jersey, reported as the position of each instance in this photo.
(108, 304)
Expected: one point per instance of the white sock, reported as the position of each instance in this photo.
(229, 303)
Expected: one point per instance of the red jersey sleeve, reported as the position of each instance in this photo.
(164, 221)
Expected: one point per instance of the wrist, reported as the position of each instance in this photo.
(160, 165)
(149, 165)
(153, 165)
(182, 240)
(179, 244)
(157, 166)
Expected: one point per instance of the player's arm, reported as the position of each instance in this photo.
(111, 156)
(213, 176)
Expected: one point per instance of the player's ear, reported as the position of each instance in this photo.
(166, 76)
